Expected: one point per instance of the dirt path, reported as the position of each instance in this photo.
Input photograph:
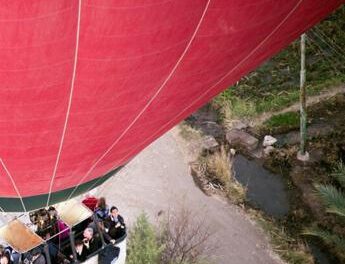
(158, 179)
(295, 107)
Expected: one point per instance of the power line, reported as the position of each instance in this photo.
(336, 52)
(331, 41)
(323, 53)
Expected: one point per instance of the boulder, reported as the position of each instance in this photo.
(209, 143)
(242, 139)
(237, 124)
(269, 141)
(211, 128)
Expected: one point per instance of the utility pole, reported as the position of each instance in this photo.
(303, 155)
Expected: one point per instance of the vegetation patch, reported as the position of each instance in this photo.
(275, 85)
(234, 108)
(143, 244)
(283, 122)
(333, 198)
(216, 169)
(291, 250)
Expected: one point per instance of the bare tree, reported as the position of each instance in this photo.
(186, 237)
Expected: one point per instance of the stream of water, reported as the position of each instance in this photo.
(268, 192)
(265, 190)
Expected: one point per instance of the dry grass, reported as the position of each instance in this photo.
(188, 133)
(218, 167)
(219, 170)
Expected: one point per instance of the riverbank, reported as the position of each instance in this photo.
(158, 180)
(280, 189)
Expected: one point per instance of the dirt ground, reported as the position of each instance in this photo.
(158, 180)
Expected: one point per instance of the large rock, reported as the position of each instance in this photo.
(209, 143)
(237, 124)
(269, 141)
(242, 139)
(211, 128)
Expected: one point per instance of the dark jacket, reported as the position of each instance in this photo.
(110, 222)
(83, 255)
(94, 244)
(113, 231)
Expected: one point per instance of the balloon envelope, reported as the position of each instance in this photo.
(86, 84)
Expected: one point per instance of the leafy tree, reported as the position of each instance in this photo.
(143, 247)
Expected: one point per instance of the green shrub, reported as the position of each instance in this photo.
(333, 199)
(143, 247)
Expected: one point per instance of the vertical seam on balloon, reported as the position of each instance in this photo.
(243, 60)
(13, 183)
(152, 98)
(69, 103)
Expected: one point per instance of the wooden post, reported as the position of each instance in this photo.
(303, 154)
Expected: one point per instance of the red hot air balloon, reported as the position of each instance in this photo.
(86, 84)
